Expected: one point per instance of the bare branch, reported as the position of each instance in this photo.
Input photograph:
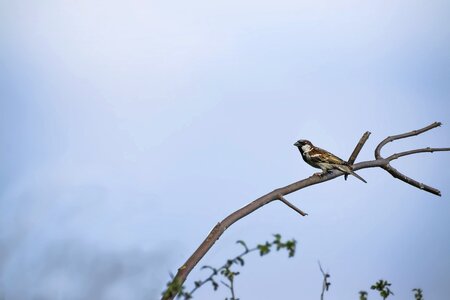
(282, 199)
(397, 174)
(278, 194)
(428, 149)
(402, 136)
(394, 172)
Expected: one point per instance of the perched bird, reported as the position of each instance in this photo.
(322, 159)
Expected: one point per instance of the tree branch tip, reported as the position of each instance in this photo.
(437, 193)
(289, 204)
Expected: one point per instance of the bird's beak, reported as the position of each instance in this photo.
(297, 144)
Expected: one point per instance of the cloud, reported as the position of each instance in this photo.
(79, 241)
(69, 269)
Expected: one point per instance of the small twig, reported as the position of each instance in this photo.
(217, 271)
(355, 153)
(230, 287)
(325, 284)
(422, 150)
(282, 199)
(225, 269)
(233, 297)
(358, 148)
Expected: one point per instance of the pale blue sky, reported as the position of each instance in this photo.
(128, 129)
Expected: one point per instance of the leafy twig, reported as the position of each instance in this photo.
(362, 295)
(325, 284)
(418, 294)
(226, 269)
(383, 287)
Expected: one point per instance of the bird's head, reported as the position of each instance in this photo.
(304, 145)
(301, 143)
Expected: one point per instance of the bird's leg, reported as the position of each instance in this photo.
(323, 173)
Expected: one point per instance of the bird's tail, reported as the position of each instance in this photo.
(348, 170)
(357, 176)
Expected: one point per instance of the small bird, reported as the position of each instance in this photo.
(322, 159)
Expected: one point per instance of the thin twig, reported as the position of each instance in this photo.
(422, 150)
(217, 271)
(325, 283)
(233, 297)
(230, 287)
(355, 153)
(282, 199)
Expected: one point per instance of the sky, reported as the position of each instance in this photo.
(128, 129)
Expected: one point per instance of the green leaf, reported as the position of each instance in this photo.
(240, 260)
(264, 249)
(362, 295)
(214, 270)
(241, 242)
(291, 247)
(418, 294)
(215, 285)
(174, 287)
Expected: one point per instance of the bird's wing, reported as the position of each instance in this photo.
(319, 155)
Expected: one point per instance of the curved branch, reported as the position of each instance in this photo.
(404, 135)
(278, 194)
(397, 174)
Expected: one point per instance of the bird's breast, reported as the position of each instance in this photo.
(308, 160)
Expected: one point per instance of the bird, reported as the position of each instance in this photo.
(324, 160)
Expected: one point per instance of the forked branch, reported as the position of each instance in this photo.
(278, 194)
(397, 174)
